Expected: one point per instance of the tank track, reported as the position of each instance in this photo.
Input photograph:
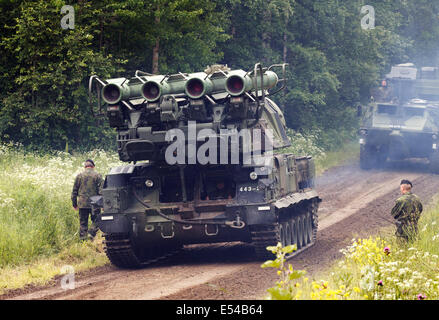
(315, 221)
(120, 251)
(263, 236)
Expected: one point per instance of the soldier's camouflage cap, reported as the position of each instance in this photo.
(90, 161)
(406, 182)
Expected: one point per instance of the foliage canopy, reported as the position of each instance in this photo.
(333, 62)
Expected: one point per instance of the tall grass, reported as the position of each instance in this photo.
(36, 216)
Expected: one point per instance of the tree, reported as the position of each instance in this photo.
(47, 101)
(185, 34)
(44, 70)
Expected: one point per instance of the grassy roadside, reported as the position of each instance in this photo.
(324, 159)
(38, 226)
(377, 268)
(347, 153)
(77, 257)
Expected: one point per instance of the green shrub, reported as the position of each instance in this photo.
(35, 207)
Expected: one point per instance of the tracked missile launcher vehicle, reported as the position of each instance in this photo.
(201, 165)
(403, 121)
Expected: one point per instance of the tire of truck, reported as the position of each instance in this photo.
(368, 157)
(434, 162)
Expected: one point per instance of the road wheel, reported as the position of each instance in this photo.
(294, 231)
(434, 162)
(300, 232)
(308, 228)
(282, 234)
(288, 234)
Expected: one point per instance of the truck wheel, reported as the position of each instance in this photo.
(368, 158)
(381, 156)
(434, 163)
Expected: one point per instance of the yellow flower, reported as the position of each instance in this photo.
(315, 285)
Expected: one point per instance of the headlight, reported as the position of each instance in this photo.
(253, 175)
(149, 183)
(434, 137)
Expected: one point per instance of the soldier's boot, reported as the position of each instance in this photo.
(83, 235)
(83, 224)
(92, 232)
(93, 228)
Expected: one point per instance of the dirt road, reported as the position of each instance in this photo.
(355, 203)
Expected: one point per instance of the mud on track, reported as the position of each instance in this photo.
(355, 203)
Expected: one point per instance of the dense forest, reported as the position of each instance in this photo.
(333, 60)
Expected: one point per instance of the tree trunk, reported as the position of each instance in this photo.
(120, 41)
(156, 48)
(101, 35)
(33, 95)
(285, 50)
(155, 56)
(266, 35)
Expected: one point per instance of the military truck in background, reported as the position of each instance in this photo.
(402, 121)
(168, 196)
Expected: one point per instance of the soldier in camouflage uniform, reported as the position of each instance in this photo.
(87, 184)
(406, 212)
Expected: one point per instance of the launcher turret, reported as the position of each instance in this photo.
(204, 135)
(145, 107)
